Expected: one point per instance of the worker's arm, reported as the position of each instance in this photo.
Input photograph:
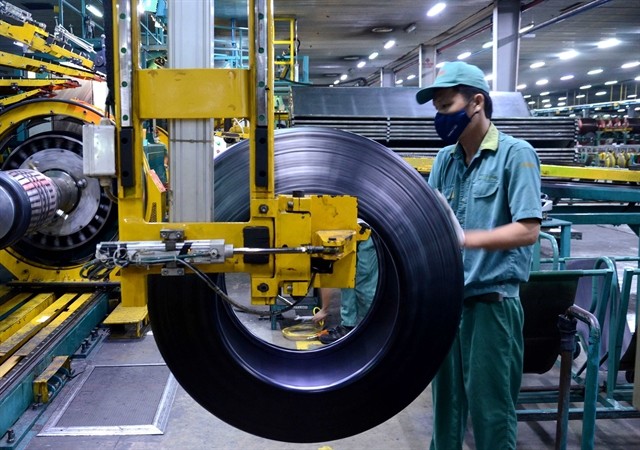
(325, 300)
(515, 234)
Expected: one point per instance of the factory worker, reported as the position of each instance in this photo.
(491, 181)
(356, 302)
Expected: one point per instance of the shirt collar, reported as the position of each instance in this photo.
(489, 142)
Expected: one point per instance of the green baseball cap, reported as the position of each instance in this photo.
(452, 74)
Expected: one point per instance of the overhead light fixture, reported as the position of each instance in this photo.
(631, 96)
(389, 44)
(93, 10)
(336, 82)
(436, 9)
(361, 64)
(410, 28)
(609, 83)
(383, 29)
(568, 54)
(580, 96)
(594, 72)
(542, 82)
(343, 77)
(411, 77)
(487, 44)
(561, 98)
(464, 55)
(537, 64)
(546, 100)
(440, 64)
(399, 81)
(629, 65)
(374, 55)
(531, 103)
(601, 93)
(527, 28)
(521, 87)
(637, 78)
(611, 42)
(351, 58)
(526, 96)
(542, 94)
(585, 86)
(561, 104)
(566, 77)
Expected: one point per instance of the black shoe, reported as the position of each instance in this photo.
(333, 334)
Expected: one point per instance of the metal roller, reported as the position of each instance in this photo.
(361, 381)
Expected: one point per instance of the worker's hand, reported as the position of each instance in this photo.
(319, 316)
(452, 218)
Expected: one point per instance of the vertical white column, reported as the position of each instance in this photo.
(506, 45)
(191, 45)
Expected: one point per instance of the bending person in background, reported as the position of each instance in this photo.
(355, 303)
(491, 185)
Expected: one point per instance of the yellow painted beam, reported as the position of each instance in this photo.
(23, 315)
(10, 100)
(44, 333)
(16, 340)
(41, 383)
(34, 65)
(33, 83)
(36, 38)
(169, 93)
(590, 173)
(9, 364)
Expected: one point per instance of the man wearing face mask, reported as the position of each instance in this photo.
(491, 181)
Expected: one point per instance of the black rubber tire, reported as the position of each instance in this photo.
(338, 390)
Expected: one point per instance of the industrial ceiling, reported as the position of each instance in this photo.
(334, 35)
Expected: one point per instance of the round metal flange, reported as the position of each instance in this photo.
(362, 380)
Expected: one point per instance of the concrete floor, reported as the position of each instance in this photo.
(189, 426)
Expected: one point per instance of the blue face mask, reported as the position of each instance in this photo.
(450, 126)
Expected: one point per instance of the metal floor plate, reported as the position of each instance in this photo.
(116, 400)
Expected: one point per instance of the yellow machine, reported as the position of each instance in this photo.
(283, 208)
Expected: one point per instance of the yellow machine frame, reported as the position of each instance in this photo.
(292, 222)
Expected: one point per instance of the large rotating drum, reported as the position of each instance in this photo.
(359, 382)
(53, 215)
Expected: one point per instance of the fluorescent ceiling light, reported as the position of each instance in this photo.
(93, 10)
(389, 44)
(612, 42)
(336, 82)
(400, 81)
(568, 54)
(343, 77)
(361, 64)
(580, 96)
(526, 28)
(622, 110)
(586, 86)
(411, 77)
(436, 9)
(537, 64)
(609, 83)
(566, 77)
(629, 65)
(595, 72)
(631, 96)
(440, 64)
(542, 82)
(487, 44)
(601, 93)
(531, 103)
(546, 100)
(637, 78)
(521, 86)
(464, 55)
(542, 94)
(562, 98)
(561, 104)
(374, 55)
(526, 96)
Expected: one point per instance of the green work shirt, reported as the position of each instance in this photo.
(501, 185)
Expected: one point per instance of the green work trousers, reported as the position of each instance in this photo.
(480, 377)
(355, 303)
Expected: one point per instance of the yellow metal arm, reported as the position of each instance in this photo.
(36, 39)
(33, 65)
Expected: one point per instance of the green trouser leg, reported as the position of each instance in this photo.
(480, 378)
(355, 303)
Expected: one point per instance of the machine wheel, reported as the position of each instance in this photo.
(361, 381)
